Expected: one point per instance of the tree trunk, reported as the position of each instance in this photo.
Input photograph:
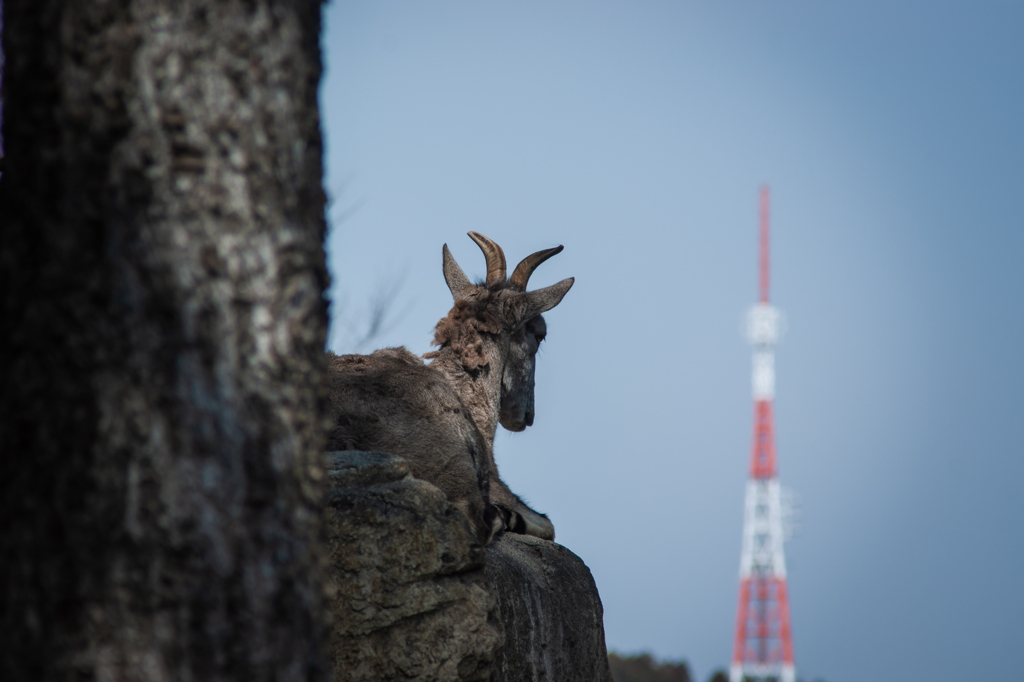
(161, 280)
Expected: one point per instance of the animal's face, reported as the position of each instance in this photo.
(500, 322)
(517, 380)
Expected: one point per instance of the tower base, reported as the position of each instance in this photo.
(740, 673)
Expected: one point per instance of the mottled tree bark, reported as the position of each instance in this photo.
(162, 326)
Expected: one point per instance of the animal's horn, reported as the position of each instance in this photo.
(457, 281)
(495, 257)
(521, 275)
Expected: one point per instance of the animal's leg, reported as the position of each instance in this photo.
(517, 517)
(484, 519)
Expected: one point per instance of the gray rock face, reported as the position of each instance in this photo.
(417, 598)
(554, 621)
(411, 602)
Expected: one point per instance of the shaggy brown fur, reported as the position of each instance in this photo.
(442, 417)
(461, 330)
(390, 401)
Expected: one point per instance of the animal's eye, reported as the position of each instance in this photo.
(539, 336)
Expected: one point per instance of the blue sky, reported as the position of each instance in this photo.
(637, 136)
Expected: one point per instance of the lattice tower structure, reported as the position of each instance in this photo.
(763, 645)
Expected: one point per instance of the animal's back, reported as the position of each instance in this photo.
(390, 401)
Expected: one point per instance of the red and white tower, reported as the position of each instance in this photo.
(763, 647)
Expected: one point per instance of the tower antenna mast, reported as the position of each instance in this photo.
(764, 245)
(763, 645)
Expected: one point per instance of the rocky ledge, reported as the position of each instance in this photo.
(417, 598)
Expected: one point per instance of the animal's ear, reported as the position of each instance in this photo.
(543, 300)
(457, 281)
